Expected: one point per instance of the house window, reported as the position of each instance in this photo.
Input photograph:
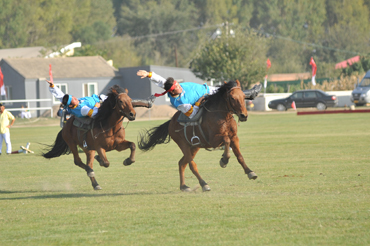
(63, 88)
(89, 88)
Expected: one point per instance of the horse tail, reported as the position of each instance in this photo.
(157, 135)
(57, 149)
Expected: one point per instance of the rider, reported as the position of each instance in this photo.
(82, 107)
(187, 96)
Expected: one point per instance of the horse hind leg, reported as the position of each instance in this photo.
(182, 166)
(90, 172)
(87, 168)
(194, 169)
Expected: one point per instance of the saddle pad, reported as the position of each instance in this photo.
(84, 123)
(184, 119)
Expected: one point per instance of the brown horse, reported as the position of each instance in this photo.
(106, 134)
(217, 128)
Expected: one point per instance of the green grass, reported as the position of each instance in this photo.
(312, 189)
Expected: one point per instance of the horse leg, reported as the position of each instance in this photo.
(194, 168)
(90, 173)
(102, 157)
(236, 149)
(125, 145)
(182, 165)
(226, 155)
(88, 169)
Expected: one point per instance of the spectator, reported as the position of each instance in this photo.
(25, 113)
(5, 118)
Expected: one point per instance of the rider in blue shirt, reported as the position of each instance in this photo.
(186, 97)
(81, 107)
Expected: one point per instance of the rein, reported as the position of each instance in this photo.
(104, 131)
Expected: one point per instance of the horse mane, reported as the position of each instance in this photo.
(214, 99)
(107, 107)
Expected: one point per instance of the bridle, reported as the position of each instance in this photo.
(228, 100)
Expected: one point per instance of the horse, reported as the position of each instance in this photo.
(216, 128)
(106, 134)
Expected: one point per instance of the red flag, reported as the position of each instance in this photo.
(293, 105)
(50, 73)
(314, 68)
(2, 87)
(268, 63)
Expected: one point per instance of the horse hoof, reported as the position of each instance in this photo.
(206, 188)
(91, 174)
(252, 175)
(127, 162)
(97, 187)
(223, 164)
(185, 188)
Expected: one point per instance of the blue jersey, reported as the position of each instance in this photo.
(84, 101)
(191, 92)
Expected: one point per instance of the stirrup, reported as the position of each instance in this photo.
(196, 138)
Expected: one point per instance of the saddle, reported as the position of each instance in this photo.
(83, 126)
(195, 121)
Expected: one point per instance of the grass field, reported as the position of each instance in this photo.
(313, 189)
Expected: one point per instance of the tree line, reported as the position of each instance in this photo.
(185, 32)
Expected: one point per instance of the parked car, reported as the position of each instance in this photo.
(305, 99)
(361, 94)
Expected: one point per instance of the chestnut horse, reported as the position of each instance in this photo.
(106, 134)
(217, 128)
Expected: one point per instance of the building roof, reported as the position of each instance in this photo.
(26, 52)
(345, 63)
(288, 77)
(67, 67)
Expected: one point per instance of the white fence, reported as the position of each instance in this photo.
(28, 101)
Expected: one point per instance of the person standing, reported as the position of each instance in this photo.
(6, 121)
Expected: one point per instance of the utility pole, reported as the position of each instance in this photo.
(177, 64)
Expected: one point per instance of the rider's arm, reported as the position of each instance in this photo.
(57, 93)
(155, 78)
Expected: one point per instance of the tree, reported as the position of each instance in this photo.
(241, 57)
(147, 21)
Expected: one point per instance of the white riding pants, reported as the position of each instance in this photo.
(6, 138)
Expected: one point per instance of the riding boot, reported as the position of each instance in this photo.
(147, 103)
(253, 93)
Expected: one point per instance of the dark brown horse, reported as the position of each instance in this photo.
(106, 134)
(217, 128)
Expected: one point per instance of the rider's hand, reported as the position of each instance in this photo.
(200, 99)
(50, 82)
(142, 73)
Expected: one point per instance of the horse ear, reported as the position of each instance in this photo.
(126, 91)
(237, 82)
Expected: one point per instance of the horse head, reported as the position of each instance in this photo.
(236, 102)
(123, 105)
